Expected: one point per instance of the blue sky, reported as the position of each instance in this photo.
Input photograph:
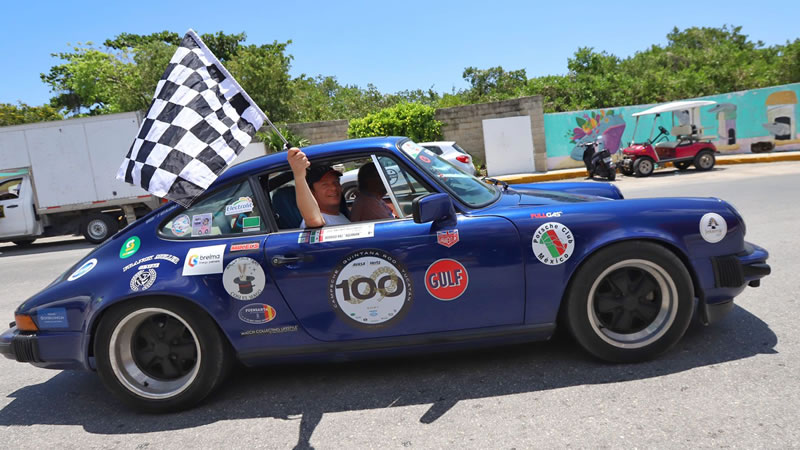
(394, 45)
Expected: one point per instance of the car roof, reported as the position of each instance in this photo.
(313, 152)
(674, 106)
(437, 143)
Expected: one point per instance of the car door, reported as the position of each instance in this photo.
(16, 207)
(397, 277)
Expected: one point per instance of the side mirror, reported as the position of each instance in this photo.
(436, 208)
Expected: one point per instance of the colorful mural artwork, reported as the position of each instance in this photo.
(758, 120)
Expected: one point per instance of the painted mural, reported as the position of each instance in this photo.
(758, 120)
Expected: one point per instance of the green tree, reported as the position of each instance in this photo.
(404, 119)
(263, 72)
(22, 113)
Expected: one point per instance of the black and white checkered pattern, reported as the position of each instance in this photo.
(199, 121)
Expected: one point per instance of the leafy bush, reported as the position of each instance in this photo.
(274, 143)
(404, 119)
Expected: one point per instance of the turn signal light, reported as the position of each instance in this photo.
(463, 158)
(25, 322)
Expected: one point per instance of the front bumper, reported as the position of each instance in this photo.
(51, 350)
(732, 273)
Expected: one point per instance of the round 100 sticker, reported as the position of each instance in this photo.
(553, 243)
(371, 288)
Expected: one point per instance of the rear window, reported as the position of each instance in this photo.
(459, 149)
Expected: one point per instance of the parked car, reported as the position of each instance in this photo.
(450, 151)
(164, 308)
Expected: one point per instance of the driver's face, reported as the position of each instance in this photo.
(328, 193)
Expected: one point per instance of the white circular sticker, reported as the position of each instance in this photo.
(83, 269)
(713, 227)
(244, 278)
(143, 279)
(553, 243)
(181, 225)
(371, 288)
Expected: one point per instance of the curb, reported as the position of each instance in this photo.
(581, 173)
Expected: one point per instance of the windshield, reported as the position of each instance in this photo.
(466, 188)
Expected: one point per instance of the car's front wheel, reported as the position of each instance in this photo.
(630, 302)
(160, 355)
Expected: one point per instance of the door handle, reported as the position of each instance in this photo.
(282, 260)
(11, 206)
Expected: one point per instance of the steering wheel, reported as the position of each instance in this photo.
(663, 130)
(392, 174)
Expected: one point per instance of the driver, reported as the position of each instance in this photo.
(317, 192)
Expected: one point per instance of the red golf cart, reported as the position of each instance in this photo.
(689, 147)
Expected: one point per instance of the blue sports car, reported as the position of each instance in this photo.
(163, 309)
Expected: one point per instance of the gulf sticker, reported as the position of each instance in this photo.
(370, 289)
(552, 243)
(257, 313)
(446, 279)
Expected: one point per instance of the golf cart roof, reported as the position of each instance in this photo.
(674, 106)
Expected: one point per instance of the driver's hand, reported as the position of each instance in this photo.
(298, 162)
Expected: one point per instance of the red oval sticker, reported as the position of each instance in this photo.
(446, 279)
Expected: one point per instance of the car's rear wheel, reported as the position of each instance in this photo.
(643, 167)
(160, 355)
(683, 165)
(705, 160)
(630, 302)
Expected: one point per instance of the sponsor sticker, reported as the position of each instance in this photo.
(143, 279)
(370, 288)
(52, 318)
(83, 269)
(446, 279)
(181, 225)
(243, 205)
(244, 246)
(159, 257)
(257, 313)
(276, 330)
(251, 224)
(412, 149)
(424, 159)
(129, 247)
(244, 278)
(337, 233)
(546, 215)
(713, 227)
(203, 260)
(448, 238)
(201, 224)
(553, 243)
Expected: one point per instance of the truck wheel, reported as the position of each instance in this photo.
(160, 355)
(24, 242)
(704, 160)
(643, 167)
(630, 302)
(682, 165)
(99, 227)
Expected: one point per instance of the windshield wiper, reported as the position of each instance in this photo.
(495, 182)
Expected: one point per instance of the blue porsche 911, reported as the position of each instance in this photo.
(166, 307)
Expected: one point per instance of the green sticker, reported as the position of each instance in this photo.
(129, 248)
(251, 222)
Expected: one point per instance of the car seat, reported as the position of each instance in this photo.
(284, 205)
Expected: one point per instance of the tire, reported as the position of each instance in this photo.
(630, 302)
(626, 172)
(643, 167)
(160, 330)
(96, 228)
(705, 160)
(612, 174)
(350, 193)
(682, 165)
(24, 242)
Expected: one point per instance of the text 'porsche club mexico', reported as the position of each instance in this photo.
(163, 309)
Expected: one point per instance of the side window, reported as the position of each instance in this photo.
(230, 211)
(9, 189)
(404, 185)
(435, 149)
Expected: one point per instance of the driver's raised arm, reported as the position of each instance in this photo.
(306, 202)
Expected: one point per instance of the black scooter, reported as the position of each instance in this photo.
(598, 162)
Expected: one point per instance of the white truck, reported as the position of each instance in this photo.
(59, 178)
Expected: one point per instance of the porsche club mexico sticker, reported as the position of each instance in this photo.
(370, 288)
(243, 278)
(713, 227)
(257, 313)
(143, 279)
(553, 243)
(446, 279)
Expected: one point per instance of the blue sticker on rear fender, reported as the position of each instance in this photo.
(52, 318)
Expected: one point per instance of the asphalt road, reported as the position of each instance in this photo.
(734, 384)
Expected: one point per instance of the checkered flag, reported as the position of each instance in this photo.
(199, 121)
